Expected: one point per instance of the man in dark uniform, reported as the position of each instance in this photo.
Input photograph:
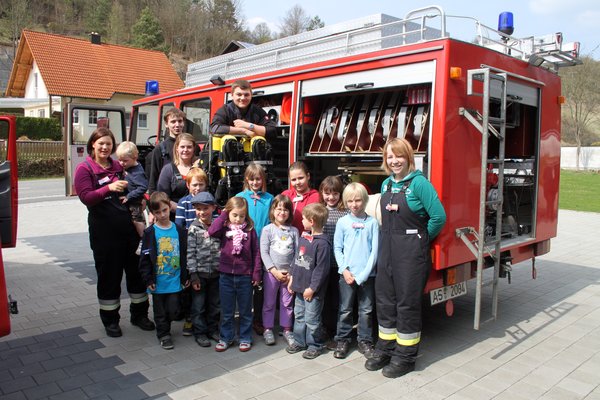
(241, 117)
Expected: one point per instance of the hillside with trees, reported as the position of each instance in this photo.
(186, 30)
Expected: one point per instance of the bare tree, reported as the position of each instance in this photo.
(19, 15)
(295, 21)
(580, 86)
(261, 33)
(116, 23)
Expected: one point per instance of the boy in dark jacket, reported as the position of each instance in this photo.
(137, 184)
(163, 266)
(203, 255)
(308, 277)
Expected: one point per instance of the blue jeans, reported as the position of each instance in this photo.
(366, 299)
(236, 289)
(307, 322)
(206, 308)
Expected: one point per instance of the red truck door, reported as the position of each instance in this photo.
(8, 207)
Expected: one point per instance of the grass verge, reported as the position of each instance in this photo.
(579, 191)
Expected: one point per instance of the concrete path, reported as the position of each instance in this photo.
(545, 344)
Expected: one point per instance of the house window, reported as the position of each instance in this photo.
(41, 113)
(31, 113)
(127, 119)
(75, 116)
(92, 117)
(142, 120)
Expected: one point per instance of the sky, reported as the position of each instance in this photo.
(578, 20)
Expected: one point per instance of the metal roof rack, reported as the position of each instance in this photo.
(372, 33)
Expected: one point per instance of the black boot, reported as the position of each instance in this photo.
(393, 370)
(113, 330)
(143, 323)
(377, 361)
(139, 316)
(110, 320)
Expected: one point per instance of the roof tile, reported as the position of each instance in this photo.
(77, 68)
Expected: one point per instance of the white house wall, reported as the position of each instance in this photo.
(41, 93)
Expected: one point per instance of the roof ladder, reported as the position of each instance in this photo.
(483, 246)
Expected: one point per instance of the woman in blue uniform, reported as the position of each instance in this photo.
(411, 215)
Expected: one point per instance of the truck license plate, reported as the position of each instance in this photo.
(447, 292)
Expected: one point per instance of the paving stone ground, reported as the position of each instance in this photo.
(545, 343)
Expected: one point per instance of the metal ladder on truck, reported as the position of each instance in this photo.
(479, 244)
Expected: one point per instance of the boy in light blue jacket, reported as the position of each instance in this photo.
(355, 247)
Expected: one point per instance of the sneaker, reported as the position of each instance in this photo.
(203, 341)
(294, 348)
(222, 346)
(138, 251)
(341, 350)
(365, 348)
(167, 344)
(113, 330)
(311, 354)
(393, 370)
(214, 336)
(289, 337)
(269, 337)
(188, 328)
(245, 346)
(143, 323)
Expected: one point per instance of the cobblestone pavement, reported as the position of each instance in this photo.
(545, 344)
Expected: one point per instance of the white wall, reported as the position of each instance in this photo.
(589, 158)
(36, 90)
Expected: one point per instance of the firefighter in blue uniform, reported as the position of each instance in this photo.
(411, 215)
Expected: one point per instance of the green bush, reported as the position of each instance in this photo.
(38, 168)
(39, 128)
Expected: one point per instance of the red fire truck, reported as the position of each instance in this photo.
(483, 116)
(8, 209)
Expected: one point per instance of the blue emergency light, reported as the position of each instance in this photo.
(505, 23)
(151, 88)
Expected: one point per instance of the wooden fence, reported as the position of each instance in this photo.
(35, 150)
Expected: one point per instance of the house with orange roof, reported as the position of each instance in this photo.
(52, 71)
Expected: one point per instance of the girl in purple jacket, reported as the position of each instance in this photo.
(240, 268)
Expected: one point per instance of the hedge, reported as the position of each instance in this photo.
(39, 168)
(36, 129)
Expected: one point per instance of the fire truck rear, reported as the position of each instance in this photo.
(483, 118)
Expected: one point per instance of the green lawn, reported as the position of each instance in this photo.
(579, 191)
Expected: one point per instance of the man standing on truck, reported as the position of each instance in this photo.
(241, 117)
(163, 153)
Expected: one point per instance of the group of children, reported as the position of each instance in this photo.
(313, 252)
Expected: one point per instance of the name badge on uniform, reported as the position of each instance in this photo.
(104, 180)
(358, 225)
(412, 231)
(391, 207)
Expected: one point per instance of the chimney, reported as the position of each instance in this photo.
(95, 38)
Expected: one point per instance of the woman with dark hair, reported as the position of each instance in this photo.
(113, 238)
(411, 217)
(172, 176)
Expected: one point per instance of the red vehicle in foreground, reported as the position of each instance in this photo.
(8, 209)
